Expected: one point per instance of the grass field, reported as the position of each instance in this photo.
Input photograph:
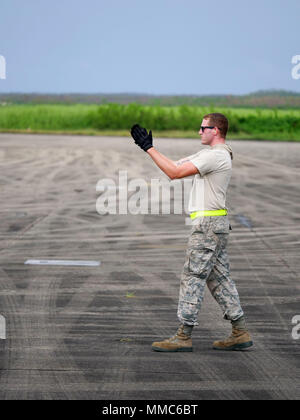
(179, 121)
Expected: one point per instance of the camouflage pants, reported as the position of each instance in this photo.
(207, 263)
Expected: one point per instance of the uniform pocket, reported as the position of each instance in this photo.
(198, 228)
(221, 225)
(200, 260)
(191, 299)
(192, 291)
(195, 261)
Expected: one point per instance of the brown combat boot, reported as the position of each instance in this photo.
(239, 340)
(179, 342)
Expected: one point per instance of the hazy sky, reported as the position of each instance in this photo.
(151, 46)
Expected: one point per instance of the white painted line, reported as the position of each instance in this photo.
(2, 328)
(64, 262)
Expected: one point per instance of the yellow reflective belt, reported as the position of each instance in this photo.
(201, 213)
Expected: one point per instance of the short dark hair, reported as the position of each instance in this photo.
(218, 120)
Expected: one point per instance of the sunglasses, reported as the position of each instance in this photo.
(204, 127)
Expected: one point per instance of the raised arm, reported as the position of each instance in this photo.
(183, 160)
(173, 170)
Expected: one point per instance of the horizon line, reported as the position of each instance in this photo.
(261, 91)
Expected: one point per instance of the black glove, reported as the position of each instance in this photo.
(141, 137)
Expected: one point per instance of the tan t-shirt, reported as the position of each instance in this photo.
(210, 185)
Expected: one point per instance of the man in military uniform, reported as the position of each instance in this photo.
(206, 257)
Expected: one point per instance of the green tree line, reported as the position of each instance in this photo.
(122, 117)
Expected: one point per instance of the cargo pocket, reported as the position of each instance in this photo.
(221, 226)
(191, 299)
(192, 291)
(200, 260)
(198, 228)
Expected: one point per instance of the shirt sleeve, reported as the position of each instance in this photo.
(205, 162)
(186, 159)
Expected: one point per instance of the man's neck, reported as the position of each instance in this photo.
(217, 141)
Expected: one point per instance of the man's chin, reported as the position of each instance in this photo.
(205, 143)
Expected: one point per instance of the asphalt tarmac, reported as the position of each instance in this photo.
(77, 332)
